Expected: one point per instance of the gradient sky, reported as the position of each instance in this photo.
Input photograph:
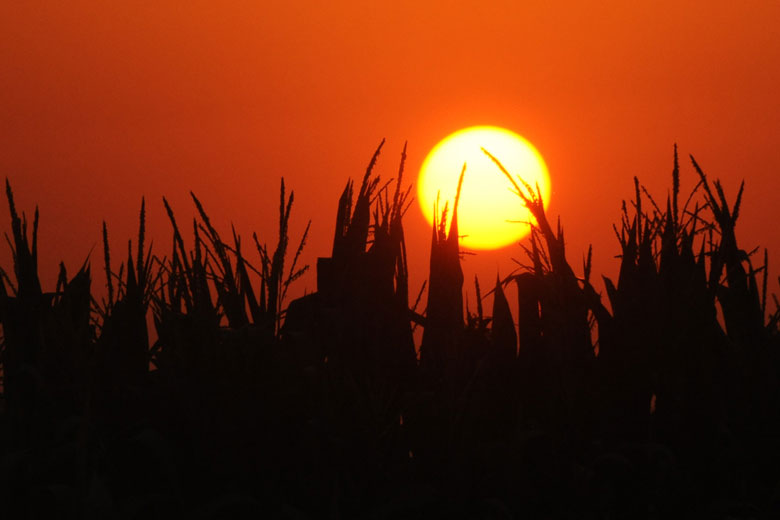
(103, 102)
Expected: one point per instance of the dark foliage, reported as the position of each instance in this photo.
(660, 402)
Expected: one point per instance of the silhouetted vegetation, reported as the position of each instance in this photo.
(659, 401)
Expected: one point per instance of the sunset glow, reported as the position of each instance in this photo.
(490, 214)
(354, 259)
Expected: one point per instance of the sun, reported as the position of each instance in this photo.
(490, 214)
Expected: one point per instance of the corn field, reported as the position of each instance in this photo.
(658, 399)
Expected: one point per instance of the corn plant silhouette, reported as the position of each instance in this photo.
(658, 400)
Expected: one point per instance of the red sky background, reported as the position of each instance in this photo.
(103, 102)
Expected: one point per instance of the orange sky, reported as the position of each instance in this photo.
(102, 103)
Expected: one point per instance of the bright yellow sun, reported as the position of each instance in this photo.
(488, 210)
